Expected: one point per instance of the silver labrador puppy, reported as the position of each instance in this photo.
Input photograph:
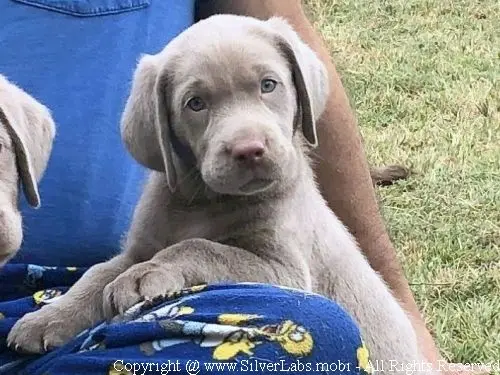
(225, 115)
(27, 132)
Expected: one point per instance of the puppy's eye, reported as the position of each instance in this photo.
(267, 85)
(196, 104)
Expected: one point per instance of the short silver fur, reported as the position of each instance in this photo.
(27, 133)
(216, 219)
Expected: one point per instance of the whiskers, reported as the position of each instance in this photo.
(189, 175)
(200, 188)
(192, 186)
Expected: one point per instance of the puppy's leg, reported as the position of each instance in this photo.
(198, 261)
(80, 308)
(385, 327)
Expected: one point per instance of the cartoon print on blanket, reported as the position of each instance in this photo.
(229, 341)
(247, 324)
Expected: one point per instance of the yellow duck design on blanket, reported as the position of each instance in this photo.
(293, 338)
(44, 297)
(364, 359)
(229, 339)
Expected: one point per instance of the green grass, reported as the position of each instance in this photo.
(424, 79)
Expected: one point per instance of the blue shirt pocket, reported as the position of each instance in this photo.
(86, 8)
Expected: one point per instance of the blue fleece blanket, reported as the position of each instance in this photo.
(208, 329)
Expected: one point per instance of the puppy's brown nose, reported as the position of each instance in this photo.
(250, 151)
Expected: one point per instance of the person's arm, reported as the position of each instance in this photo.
(342, 168)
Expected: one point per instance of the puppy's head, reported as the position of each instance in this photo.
(234, 96)
(26, 136)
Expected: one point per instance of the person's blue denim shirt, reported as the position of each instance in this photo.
(78, 57)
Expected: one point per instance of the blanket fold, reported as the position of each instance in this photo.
(221, 328)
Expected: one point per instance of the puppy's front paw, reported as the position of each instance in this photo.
(43, 330)
(143, 281)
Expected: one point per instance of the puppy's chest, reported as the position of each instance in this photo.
(247, 225)
(194, 224)
(215, 226)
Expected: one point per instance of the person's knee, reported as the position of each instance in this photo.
(304, 327)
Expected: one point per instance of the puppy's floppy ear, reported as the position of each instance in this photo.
(309, 74)
(32, 131)
(145, 126)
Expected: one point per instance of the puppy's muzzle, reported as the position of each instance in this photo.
(247, 152)
(250, 163)
(250, 156)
